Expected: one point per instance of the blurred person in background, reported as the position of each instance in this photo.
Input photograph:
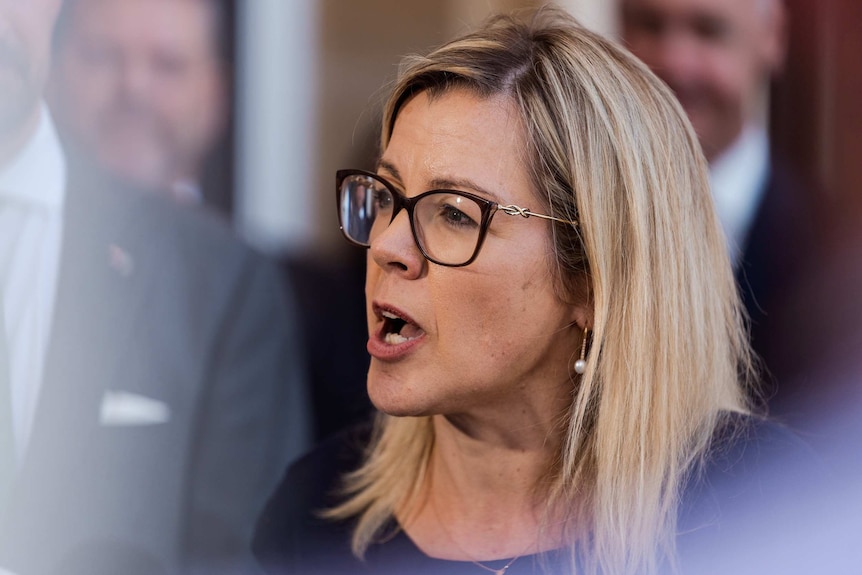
(718, 57)
(141, 89)
(801, 292)
(149, 388)
(332, 314)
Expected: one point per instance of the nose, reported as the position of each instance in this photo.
(678, 58)
(135, 77)
(394, 250)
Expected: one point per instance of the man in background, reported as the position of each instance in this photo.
(718, 56)
(149, 390)
(140, 88)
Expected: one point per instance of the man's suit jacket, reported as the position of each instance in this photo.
(172, 397)
(778, 255)
(333, 294)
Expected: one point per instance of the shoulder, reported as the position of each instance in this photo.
(750, 457)
(751, 486)
(788, 206)
(187, 251)
(749, 442)
(104, 204)
(783, 176)
(193, 232)
(291, 532)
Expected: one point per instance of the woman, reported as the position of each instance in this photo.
(557, 347)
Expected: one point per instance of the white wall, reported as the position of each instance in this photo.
(598, 15)
(276, 123)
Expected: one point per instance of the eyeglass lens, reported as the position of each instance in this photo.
(446, 225)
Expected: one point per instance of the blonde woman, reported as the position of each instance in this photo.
(557, 349)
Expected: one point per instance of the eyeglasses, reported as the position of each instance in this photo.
(448, 226)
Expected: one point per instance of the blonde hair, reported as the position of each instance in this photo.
(608, 146)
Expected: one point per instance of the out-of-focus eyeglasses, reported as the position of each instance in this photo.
(448, 226)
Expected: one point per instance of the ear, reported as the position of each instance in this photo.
(582, 305)
(773, 41)
(582, 315)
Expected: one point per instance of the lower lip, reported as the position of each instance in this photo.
(383, 351)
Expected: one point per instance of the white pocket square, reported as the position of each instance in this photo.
(121, 408)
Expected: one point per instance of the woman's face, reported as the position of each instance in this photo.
(493, 333)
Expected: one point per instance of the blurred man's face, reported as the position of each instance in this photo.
(25, 49)
(715, 54)
(139, 88)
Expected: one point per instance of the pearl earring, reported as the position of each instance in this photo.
(581, 364)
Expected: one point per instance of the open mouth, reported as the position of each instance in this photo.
(397, 329)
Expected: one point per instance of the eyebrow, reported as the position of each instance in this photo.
(443, 183)
(381, 163)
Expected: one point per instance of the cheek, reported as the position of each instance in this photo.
(490, 315)
(90, 86)
(646, 47)
(179, 98)
(210, 106)
(728, 75)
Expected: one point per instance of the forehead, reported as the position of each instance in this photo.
(456, 135)
(188, 24)
(692, 10)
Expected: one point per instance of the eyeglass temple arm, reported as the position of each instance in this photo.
(513, 210)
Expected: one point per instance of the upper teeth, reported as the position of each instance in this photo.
(390, 315)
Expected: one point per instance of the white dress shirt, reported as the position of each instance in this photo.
(738, 181)
(32, 188)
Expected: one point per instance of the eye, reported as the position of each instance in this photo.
(455, 217)
(169, 65)
(712, 29)
(99, 55)
(382, 199)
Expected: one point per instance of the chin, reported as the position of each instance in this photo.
(398, 412)
(395, 404)
(395, 396)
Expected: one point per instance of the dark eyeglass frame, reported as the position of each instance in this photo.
(400, 201)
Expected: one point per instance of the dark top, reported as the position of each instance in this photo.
(747, 456)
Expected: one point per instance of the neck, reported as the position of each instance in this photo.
(16, 136)
(478, 455)
(483, 496)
